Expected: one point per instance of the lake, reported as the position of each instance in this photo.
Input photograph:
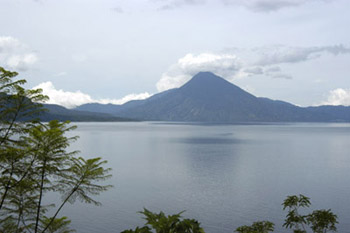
(224, 176)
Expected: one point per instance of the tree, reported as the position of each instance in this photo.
(58, 225)
(294, 219)
(18, 108)
(161, 223)
(319, 221)
(34, 160)
(322, 221)
(257, 227)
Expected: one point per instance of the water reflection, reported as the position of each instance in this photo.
(207, 140)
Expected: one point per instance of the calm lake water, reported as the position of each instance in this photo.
(223, 175)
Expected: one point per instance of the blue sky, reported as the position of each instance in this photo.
(82, 51)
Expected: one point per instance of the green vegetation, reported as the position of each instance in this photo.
(257, 227)
(34, 161)
(319, 221)
(160, 223)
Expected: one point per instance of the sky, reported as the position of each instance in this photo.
(113, 51)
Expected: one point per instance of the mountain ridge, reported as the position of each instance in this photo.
(57, 112)
(210, 98)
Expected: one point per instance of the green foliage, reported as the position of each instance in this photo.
(144, 229)
(18, 107)
(58, 225)
(161, 223)
(34, 160)
(257, 227)
(84, 174)
(319, 221)
(322, 221)
(294, 219)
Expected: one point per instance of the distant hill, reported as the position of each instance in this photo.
(57, 112)
(210, 98)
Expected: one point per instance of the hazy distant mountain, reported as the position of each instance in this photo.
(209, 98)
(56, 112)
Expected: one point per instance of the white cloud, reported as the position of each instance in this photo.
(273, 69)
(118, 10)
(125, 99)
(9, 44)
(240, 63)
(63, 73)
(79, 58)
(253, 70)
(253, 5)
(226, 65)
(338, 97)
(269, 5)
(73, 99)
(21, 62)
(172, 4)
(281, 76)
(16, 55)
(285, 54)
(64, 98)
